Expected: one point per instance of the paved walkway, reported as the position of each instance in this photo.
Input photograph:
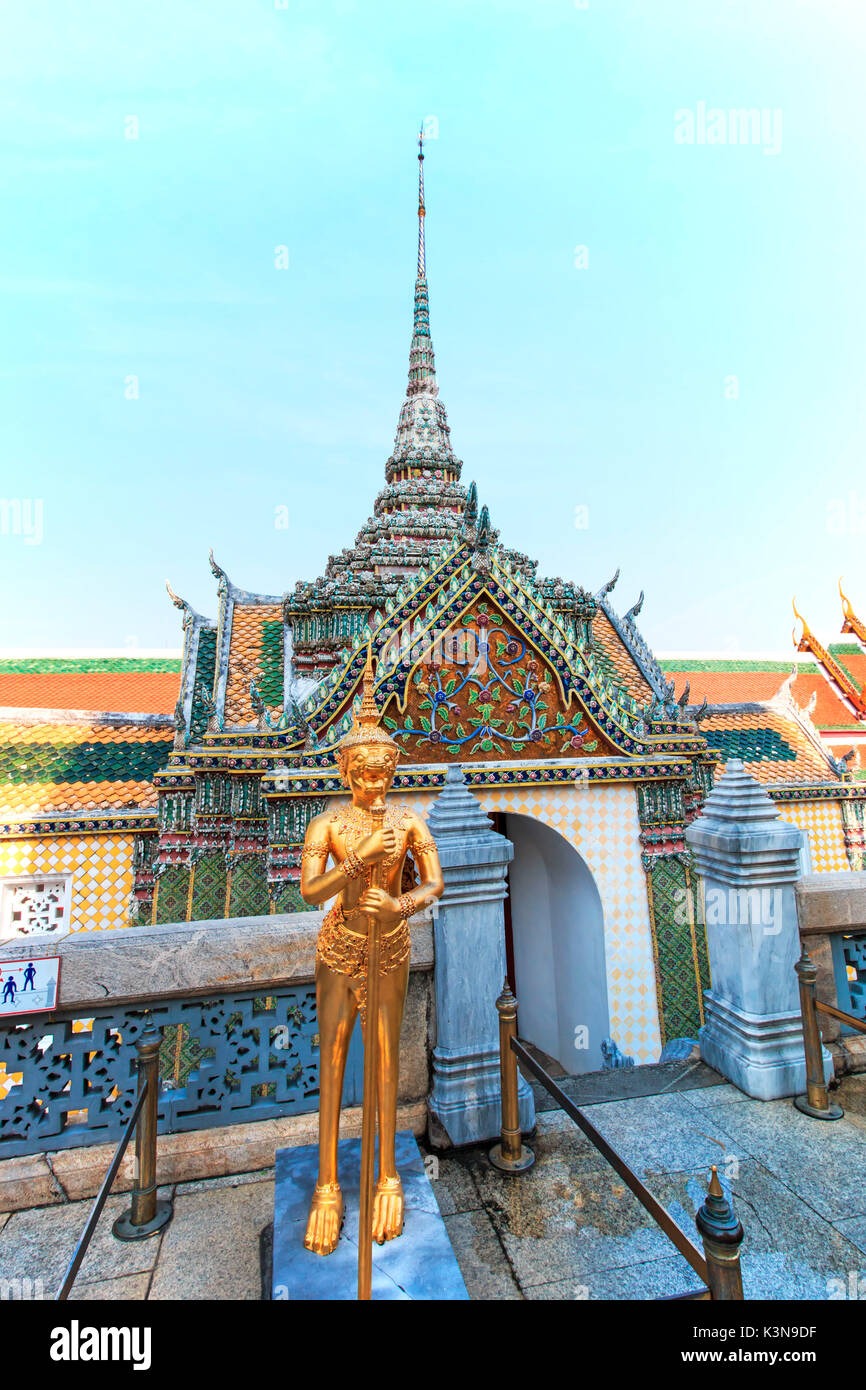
(566, 1229)
(569, 1228)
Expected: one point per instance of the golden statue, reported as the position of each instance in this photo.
(368, 842)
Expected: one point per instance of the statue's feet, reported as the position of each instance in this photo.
(325, 1219)
(387, 1210)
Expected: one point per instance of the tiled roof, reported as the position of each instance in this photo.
(84, 766)
(741, 682)
(255, 653)
(620, 662)
(774, 748)
(852, 659)
(134, 685)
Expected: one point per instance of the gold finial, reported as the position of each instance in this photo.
(715, 1188)
(369, 712)
(365, 721)
(807, 632)
(846, 602)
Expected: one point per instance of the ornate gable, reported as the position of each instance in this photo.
(475, 626)
(482, 690)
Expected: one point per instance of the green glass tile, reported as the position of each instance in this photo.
(82, 762)
(752, 745)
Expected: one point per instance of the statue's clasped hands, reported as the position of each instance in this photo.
(380, 845)
(376, 902)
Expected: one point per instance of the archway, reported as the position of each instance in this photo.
(557, 929)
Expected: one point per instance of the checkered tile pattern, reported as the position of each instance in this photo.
(101, 868)
(822, 822)
(102, 878)
(601, 823)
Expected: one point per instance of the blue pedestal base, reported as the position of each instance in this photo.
(419, 1264)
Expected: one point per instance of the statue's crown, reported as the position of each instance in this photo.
(365, 721)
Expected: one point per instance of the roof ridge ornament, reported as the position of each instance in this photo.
(808, 642)
(608, 587)
(217, 571)
(851, 622)
(632, 613)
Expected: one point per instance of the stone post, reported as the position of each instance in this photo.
(749, 860)
(469, 932)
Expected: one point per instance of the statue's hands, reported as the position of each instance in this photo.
(380, 845)
(375, 902)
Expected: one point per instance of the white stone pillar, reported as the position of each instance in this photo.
(748, 858)
(469, 933)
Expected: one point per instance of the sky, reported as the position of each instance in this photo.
(648, 318)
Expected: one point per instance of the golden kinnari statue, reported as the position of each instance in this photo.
(362, 966)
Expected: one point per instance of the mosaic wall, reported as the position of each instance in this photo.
(101, 868)
(822, 821)
(102, 875)
(211, 892)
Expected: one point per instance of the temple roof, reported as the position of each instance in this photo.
(745, 680)
(828, 679)
(51, 762)
(145, 685)
(774, 746)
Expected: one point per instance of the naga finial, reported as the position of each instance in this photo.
(216, 570)
(634, 610)
(609, 586)
(175, 598)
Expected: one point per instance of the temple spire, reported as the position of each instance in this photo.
(422, 259)
(422, 364)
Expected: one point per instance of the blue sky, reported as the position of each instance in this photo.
(606, 387)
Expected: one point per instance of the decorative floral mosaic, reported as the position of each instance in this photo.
(484, 691)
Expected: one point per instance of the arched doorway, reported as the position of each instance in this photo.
(557, 934)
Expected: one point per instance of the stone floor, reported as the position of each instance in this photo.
(567, 1229)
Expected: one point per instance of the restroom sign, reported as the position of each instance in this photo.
(29, 986)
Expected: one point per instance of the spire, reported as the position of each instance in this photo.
(422, 212)
(422, 365)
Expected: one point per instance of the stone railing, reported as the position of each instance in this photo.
(831, 910)
(237, 1003)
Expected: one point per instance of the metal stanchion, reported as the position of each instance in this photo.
(510, 1155)
(816, 1101)
(722, 1234)
(146, 1216)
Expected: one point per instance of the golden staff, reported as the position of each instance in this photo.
(368, 1106)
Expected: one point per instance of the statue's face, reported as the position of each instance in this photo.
(368, 770)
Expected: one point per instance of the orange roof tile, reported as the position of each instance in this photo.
(621, 660)
(86, 766)
(129, 692)
(774, 749)
(245, 658)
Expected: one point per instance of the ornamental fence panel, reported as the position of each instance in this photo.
(68, 1080)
